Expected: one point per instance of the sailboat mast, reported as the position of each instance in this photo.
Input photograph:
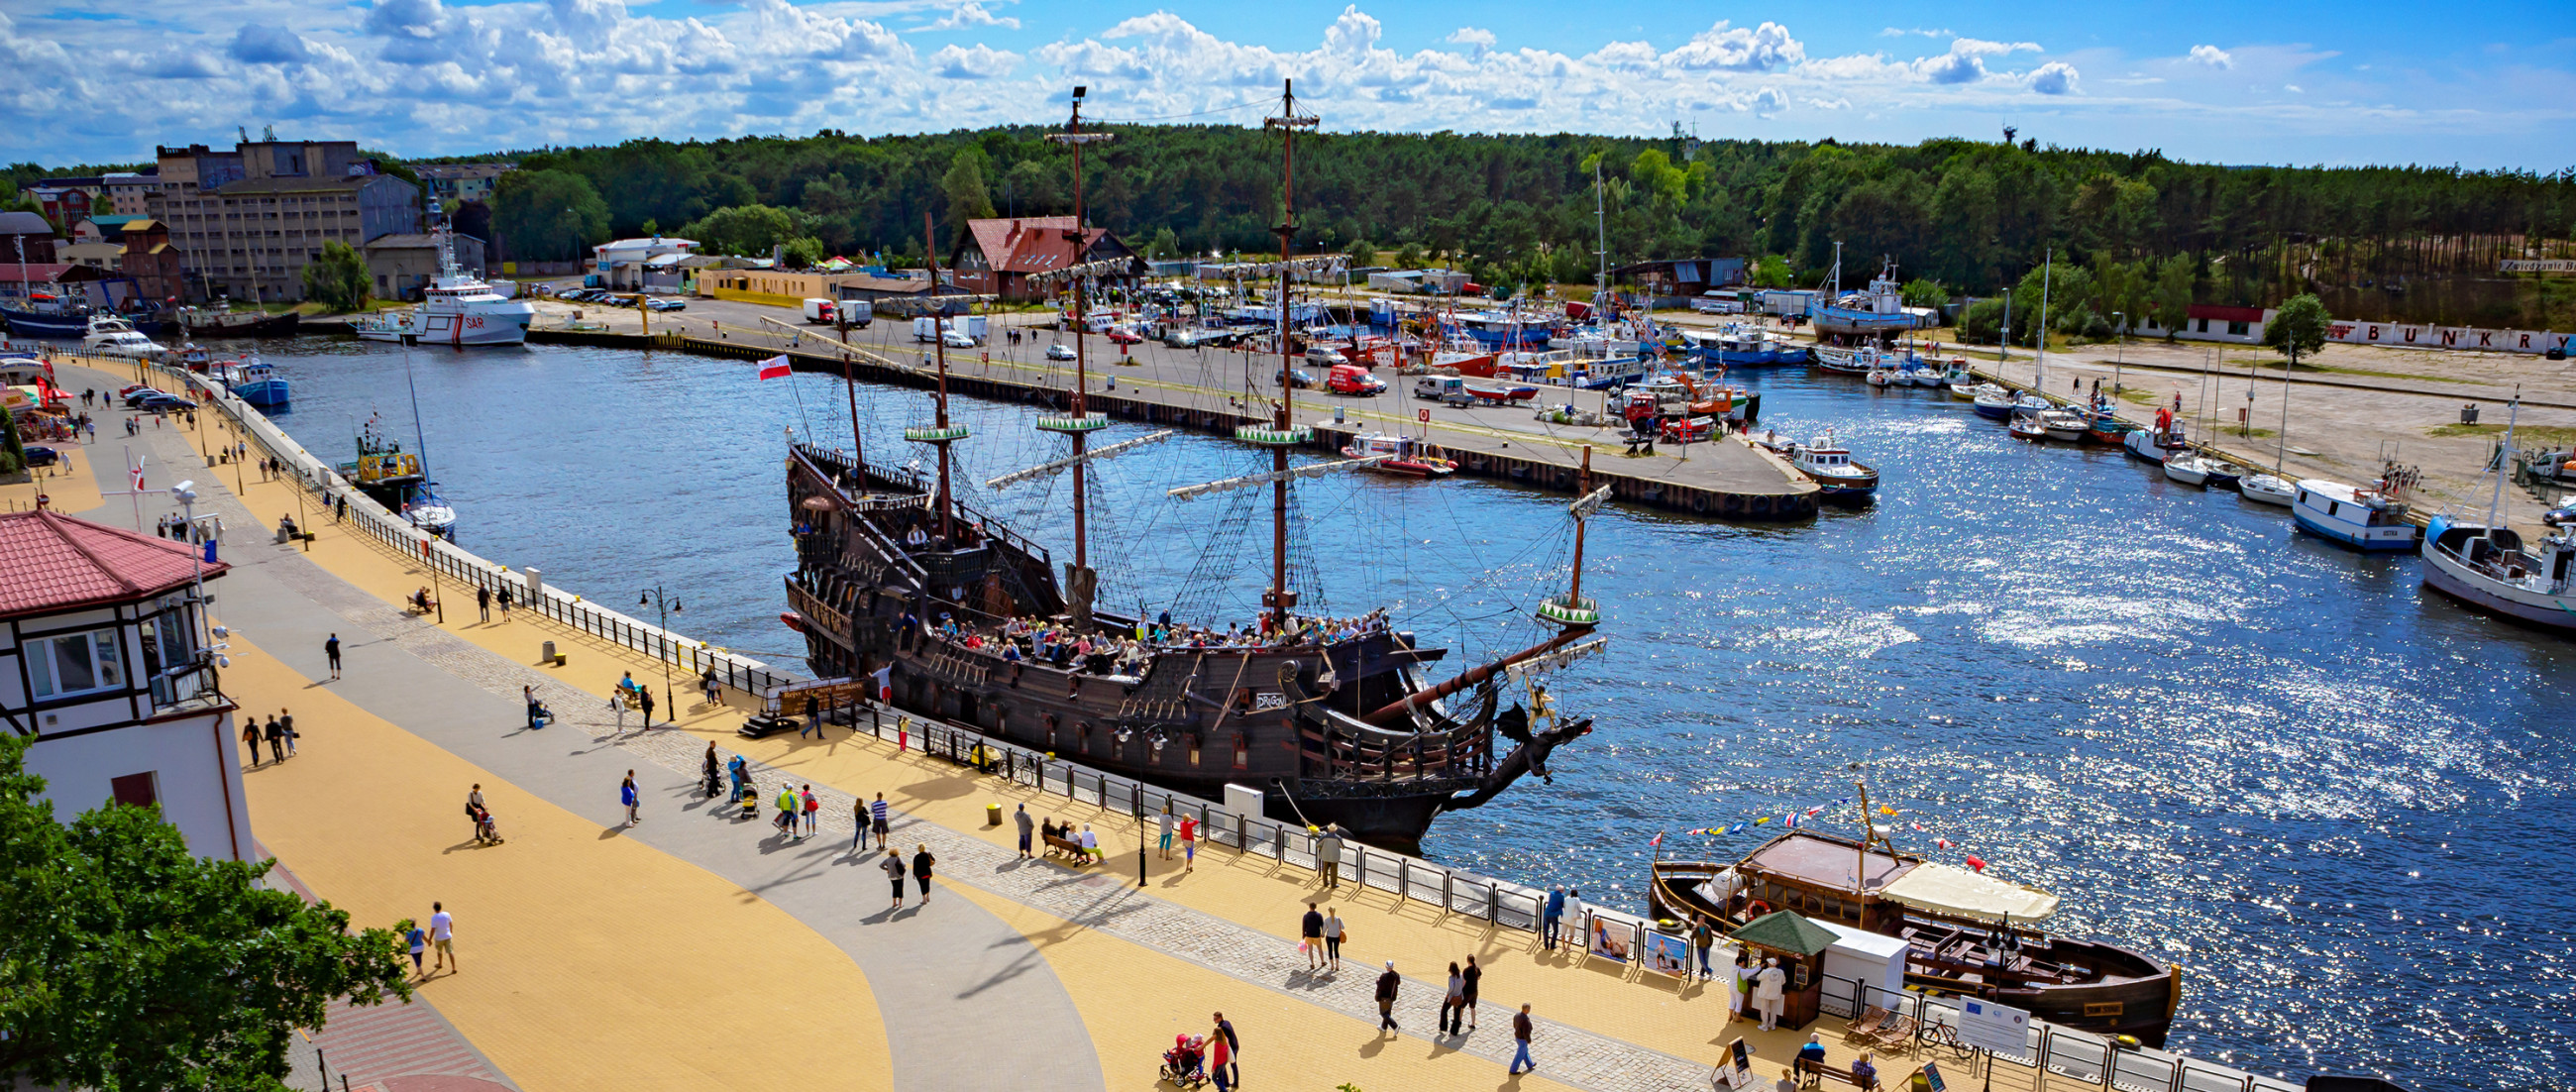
(1288, 122)
(2281, 452)
(1601, 250)
(939, 342)
(2503, 455)
(2039, 369)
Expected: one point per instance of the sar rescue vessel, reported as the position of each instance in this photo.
(1335, 721)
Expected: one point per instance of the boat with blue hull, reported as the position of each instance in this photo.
(256, 383)
(2368, 518)
(27, 321)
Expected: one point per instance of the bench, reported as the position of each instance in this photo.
(1812, 1074)
(1070, 848)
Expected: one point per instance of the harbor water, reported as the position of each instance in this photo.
(2326, 794)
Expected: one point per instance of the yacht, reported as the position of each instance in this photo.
(2266, 489)
(109, 336)
(457, 308)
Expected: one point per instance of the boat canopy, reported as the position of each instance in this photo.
(1956, 892)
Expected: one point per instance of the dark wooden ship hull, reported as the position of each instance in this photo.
(1284, 721)
(241, 324)
(2115, 992)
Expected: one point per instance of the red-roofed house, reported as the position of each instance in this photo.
(1008, 258)
(105, 667)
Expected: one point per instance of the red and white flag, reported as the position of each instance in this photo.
(774, 368)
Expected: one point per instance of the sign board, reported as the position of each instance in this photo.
(1993, 1028)
(2538, 265)
(1423, 415)
(1932, 1077)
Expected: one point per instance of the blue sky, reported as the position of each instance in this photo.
(2488, 85)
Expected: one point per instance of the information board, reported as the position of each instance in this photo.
(1993, 1028)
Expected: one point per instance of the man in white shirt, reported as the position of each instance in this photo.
(442, 928)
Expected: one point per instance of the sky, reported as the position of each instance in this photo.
(2476, 84)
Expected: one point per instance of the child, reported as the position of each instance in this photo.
(417, 938)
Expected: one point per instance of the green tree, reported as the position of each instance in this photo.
(964, 187)
(1361, 252)
(2170, 299)
(2298, 328)
(126, 963)
(1925, 292)
(1772, 271)
(1165, 244)
(13, 458)
(1409, 256)
(747, 230)
(1983, 322)
(805, 252)
(337, 279)
(548, 215)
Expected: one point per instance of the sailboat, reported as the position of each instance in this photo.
(2486, 567)
(2272, 488)
(1332, 721)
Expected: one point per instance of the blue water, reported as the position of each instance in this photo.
(2333, 798)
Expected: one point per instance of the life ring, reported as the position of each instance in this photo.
(1756, 909)
(1699, 503)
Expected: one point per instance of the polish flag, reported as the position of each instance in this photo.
(774, 368)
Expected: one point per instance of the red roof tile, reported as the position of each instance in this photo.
(57, 563)
(1028, 244)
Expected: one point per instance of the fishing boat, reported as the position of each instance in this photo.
(253, 381)
(1967, 392)
(1922, 374)
(2160, 443)
(1967, 934)
(1330, 722)
(2218, 473)
(227, 322)
(2266, 489)
(1399, 456)
(45, 314)
(1994, 402)
(2369, 518)
(2106, 427)
(1847, 361)
(2064, 424)
(2486, 567)
(1836, 474)
(395, 479)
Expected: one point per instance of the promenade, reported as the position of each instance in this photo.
(700, 949)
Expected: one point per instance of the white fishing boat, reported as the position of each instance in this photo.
(1836, 474)
(2364, 517)
(2266, 489)
(2486, 567)
(1880, 377)
(2156, 445)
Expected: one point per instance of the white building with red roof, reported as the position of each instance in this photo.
(105, 665)
(1013, 258)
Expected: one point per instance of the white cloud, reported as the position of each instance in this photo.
(1896, 32)
(2212, 56)
(2294, 89)
(1830, 104)
(2054, 78)
(1966, 60)
(1475, 38)
(1769, 100)
(259, 43)
(968, 14)
(1736, 49)
(979, 63)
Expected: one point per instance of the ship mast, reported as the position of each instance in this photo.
(941, 433)
(1279, 599)
(1081, 422)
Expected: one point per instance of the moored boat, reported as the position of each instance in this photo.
(2266, 489)
(2064, 425)
(1837, 475)
(2156, 444)
(1400, 456)
(1966, 933)
(2487, 568)
(1993, 402)
(2370, 518)
(253, 381)
(108, 335)
(2026, 425)
(226, 322)
(2188, 468)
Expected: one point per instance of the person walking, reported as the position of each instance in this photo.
(340, 510)
(893, 866)
(1189, 843)
(1233, 1047)
(1473, 975)
(1703, 937)
(1551, 921)
(331, 652)
(1220, 1062)
(276, 740)
(1328, 857)
(813, 813)
(1332, 941)
(417, 939)
(877, 817)
(859, 819)
(1387, 985)
(483, 601)
(1166, 824)
(644, 695)
(707, 685)
(286, 727)
(1453, 1003)
(626, 796)
(921, 865)
(442, 938)
(1310, 932)
(250, 740)
(1521, 1062)
(505, 603)
(787, 803)
(1027, 826)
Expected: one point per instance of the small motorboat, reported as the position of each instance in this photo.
(2220, 473)
(2155, 445)
(1880, 377)
(2027, 426)
(1403, 456)
(2188, 469)
(2365, 517)
(1836, 475)
(2266, 489)
(1992, 401)
(2108, 428)
(2065, 425)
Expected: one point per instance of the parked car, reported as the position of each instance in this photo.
(1121, 335)
(135, 395)
(956, 339)
(163, 403)
(1296, 377)
(668, 305)
(40, 455)
(1353, 379)
(1059, 351)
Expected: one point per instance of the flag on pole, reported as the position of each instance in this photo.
(774, 368)
(1657, 840)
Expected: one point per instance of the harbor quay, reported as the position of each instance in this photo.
(701, 946)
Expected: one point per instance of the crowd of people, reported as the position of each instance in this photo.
(1119, 653)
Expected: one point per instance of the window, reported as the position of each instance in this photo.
(2238, 329)
(2204, 326)
(75, 664)
(135, 790)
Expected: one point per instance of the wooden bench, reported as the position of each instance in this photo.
(1070, 848)
(1812, 1074)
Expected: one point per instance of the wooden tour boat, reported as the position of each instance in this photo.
(1969, 934)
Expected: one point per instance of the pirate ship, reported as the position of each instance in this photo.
(1334, 723)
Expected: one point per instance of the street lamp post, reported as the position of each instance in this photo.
(656, 598)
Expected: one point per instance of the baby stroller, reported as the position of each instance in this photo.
(1185, 1065)
(486, 832)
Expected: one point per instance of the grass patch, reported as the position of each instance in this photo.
(2243, 434)
(2375, 372)
(2551, 435)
